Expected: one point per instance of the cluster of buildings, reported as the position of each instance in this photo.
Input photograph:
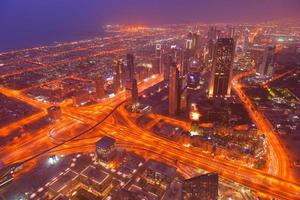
(83, 176)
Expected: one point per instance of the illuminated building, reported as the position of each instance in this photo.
(159, 174)
(184, 100)
(221, 73)
(158, 59)
(245, 43)
(117, 75)
(130, 66)
(193, 80)
(134, 93)
(195, 41)
(231, 32)
(257, 56)
(212, 33)
(204, 187)
(184, 61)
(266, 67)
(99, 84)
(174, 90)
(188, 44)
(168, 60)
(211, 38)
(105, 149)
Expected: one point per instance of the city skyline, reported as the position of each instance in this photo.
(146, 100)
(36, 23)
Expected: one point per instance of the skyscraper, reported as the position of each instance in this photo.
(212, 33)
(134, 93)
(220, 80)
(185, 55)
(174, 90)
(204, 187)
(257, 56)
(188, 44)
(117, 67)
(231, 32)
(168, 60)
(266, 67)
(211, 38)
(99, 85)
(158, 59)
(195, 41)
(130, 66)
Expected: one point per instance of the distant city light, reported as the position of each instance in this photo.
(280, 40)
(195, 116)
(110, 78)
(111, 95)
(53, 160)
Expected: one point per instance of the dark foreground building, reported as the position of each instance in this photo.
(204, 187)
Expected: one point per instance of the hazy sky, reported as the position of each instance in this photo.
(30, 22)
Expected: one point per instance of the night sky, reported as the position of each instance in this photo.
(25, 23)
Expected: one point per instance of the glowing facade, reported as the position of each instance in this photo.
(221, 73)
(174, 84)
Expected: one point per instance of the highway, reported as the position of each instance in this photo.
(110, 118)
(281, 163)
(145, 143)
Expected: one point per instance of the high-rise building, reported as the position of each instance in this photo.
(117, 67)
(184, 61)
(188, 44)
(174, 90)
(168, 60)
(211, 39)
(195, 41)
(266, 67)
(204, 187)
(256, 54)
(130, 66)
(134, 93)
(158, 59)
(99, 85)
(220, 80)
(212, 33)
(231, 32)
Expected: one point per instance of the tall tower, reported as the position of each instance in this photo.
(212, 33)
(266, 67)
(174, 90)
(130, 66)
(99, 85)
(158, 59)
(195, 41)
(231, 32)
(117, 67)
(168, 60)
(221, 73)
(134, 93)
(211, 38)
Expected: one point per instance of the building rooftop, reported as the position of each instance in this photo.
(105, 142)
(63, 181)
(61, 197)
(94, 174)
(162, 168)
